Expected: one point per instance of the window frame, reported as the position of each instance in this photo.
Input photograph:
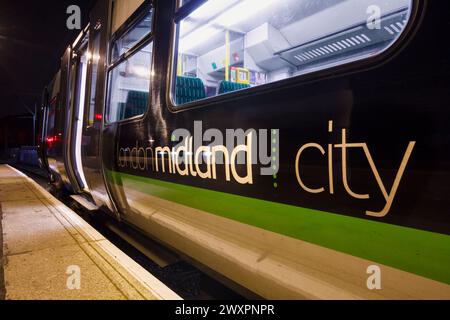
(363, 63)
(131, 22)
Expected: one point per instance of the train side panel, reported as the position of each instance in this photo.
(360, 155)
(382, 129)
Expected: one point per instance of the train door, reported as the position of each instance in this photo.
(128, 92)
(51, 135)
(78, 77)
(93, 113)
(42, 120)
(64, 116)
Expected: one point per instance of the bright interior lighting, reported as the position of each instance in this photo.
(197, 37)
(242, 11)
(211, 8)
(142, 72)
(186, 27)
(238, 13)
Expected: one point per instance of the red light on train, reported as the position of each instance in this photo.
(98, 117)
(52, 140)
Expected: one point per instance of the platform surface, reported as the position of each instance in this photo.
(50, 253)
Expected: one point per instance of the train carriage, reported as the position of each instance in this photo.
(300, 149)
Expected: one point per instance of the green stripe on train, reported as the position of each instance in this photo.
(421, 252)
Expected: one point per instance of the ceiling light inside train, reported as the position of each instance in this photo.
(233, 15)
(212, 8)
(198, 37)
(242, 11)
(142, 72)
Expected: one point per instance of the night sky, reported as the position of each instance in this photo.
(33, 36)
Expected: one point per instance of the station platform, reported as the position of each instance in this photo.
(50, 253)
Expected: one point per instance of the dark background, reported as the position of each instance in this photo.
(33, 36)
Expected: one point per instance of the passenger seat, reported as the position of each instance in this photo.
(136, 104)
(228, 86)
(189, 89)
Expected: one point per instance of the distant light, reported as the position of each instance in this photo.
(52, 140)
(99, 117)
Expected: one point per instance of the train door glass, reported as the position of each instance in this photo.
(81, 67)
(129, 85)
(93, 58)
(90, 136)
(42, 121)
(52, 136)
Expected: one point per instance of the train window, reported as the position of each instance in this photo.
(131, 38)
(226, 46)
(130, 71)
(94, 58)
(129, 84)
(51, 121)
(183, 2)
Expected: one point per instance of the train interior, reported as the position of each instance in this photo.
(225, 46)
